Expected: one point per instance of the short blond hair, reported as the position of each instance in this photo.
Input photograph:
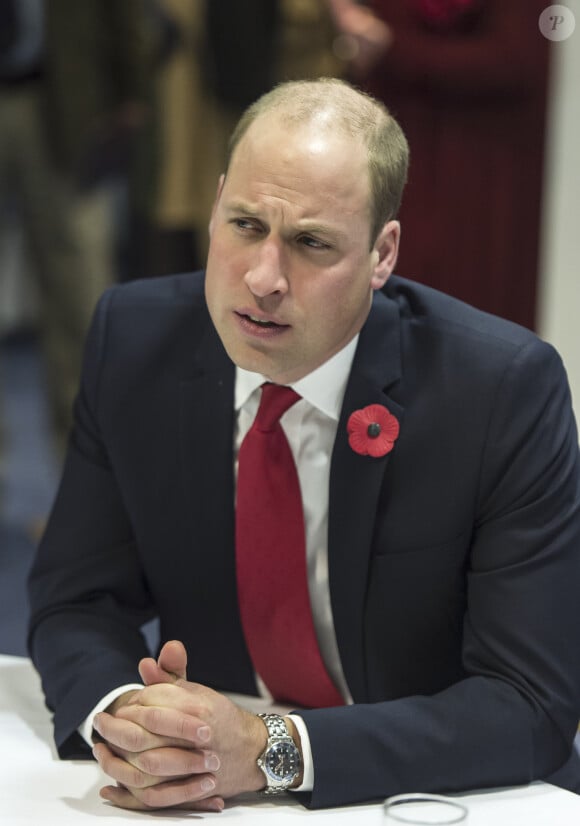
(357, 114)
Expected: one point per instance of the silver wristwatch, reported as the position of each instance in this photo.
(280, 761)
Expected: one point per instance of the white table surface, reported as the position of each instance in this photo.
(38, 789)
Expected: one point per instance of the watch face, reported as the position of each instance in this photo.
(282, 761)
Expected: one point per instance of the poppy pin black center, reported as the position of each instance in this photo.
(374, 430)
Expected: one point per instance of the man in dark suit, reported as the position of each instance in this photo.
(437, 459)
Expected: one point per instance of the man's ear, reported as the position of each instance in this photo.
(385, 250)
(220, 187)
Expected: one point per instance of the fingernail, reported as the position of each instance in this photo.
(207, 784)
(212, 762)
(203, 733)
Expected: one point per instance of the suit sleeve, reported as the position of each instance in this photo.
(87, 591)
(511, 719)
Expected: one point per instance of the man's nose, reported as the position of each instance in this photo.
(267, 272)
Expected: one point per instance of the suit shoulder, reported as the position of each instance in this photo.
(442, 315)
(139, 316)
(163, 292)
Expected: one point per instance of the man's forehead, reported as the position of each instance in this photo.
(304, 166)
(309, 134)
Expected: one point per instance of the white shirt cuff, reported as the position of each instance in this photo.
(308, 766)
(86, 727)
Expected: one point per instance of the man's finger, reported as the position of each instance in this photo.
(130, 736)
(173, 659)
(122, 771)
(126, 800)
(175, 762)
(171, 665)
(185, 793)
(152, 674)
(180, 727)
(153, 765)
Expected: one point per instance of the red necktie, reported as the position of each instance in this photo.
(271, 562)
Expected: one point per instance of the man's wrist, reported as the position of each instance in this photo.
(86, 727)
(258, 737)
(295, 735)
(112, 708)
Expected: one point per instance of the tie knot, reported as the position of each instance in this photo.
(275, 401)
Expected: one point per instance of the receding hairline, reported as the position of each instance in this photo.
(326, 102)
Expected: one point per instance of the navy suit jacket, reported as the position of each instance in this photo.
(454, 561)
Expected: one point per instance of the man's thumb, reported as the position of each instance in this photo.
(173, 659)
(171, 665)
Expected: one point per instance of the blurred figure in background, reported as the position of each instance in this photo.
(467, 80)
(227, 54)
(73, 86)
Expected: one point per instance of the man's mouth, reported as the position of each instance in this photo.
(261, 322)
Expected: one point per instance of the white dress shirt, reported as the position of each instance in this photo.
(310, 426)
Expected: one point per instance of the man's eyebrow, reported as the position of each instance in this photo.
(308, 225)
(242, 207)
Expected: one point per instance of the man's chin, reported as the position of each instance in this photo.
(252, 359)
(255, 361)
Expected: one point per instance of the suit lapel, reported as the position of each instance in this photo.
(355, 483)
(206, 434)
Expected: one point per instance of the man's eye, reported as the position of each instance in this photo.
(313, 243)
(244, 223)
(247, 226)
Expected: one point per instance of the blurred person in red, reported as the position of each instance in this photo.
(467, 79)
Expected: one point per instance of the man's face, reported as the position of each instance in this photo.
(290, 271)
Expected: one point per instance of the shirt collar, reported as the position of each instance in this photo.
(323, 388)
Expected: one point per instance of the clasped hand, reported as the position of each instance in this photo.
(175, 743)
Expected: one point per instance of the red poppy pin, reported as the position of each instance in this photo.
(372, 431)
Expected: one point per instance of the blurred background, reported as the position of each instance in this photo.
(114, 117)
